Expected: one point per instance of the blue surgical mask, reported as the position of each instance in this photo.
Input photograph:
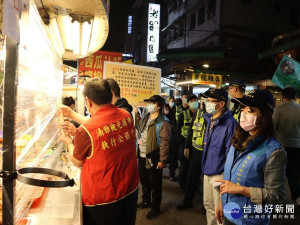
(185, 101)
(194, 105)
(171, 104)
(150, 108)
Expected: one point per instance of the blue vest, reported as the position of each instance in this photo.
(247, 170)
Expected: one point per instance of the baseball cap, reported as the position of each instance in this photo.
(237, 83)
(256, 98)
(191, 97)
(220, 94)
(155, 98)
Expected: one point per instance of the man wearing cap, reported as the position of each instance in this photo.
(183, 123)
(154, 141)
(193, 152)
(236, 89)
(287, 123)
(217, 141)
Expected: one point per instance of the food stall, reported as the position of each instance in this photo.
(37, 185)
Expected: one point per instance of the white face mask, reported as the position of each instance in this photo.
(171, 104)
(248, 121)
(211, 108)
(150, 108)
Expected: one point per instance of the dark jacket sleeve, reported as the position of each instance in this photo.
(188, 141)
(165, 135)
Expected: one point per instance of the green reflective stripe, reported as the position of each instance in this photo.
(177, 111)
(186, 123)
(236, 112)
(198, 131)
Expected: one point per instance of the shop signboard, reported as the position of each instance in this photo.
(93, 64)
(206, 79)
(136, 82)
(287, 73)
(153, 32)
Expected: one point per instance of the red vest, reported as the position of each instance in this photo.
(110, 173)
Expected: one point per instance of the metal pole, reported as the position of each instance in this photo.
(9, 114)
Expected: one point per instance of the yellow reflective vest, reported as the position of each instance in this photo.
(187, 119)
(178, 111)
(198, 130)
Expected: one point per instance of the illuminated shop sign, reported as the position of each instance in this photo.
(153, 32)
(129, 24)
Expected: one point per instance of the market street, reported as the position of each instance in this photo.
(192, 216)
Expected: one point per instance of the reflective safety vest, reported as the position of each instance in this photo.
(198, 130)
(187, 119)
(236, 112)
(178, 111)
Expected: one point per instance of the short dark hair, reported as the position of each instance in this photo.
(98, 91)
(68, 101)
(289, 93)
(114, 87)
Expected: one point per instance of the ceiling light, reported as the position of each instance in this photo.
(205, 65)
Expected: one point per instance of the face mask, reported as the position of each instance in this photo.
(194, 105)
(150, 108)
(185, 101)
(211, 108)
(247, 121)
(171, 104)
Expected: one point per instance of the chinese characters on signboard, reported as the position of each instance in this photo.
(129, 24)
(93, 64)
(136, 82)
(203, 78)
(153, 32)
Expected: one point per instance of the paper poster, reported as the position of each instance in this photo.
(11, 16)
(136, 82)
(287, 74)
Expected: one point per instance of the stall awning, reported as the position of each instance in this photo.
(281, 48)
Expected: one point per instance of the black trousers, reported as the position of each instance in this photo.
(194, 173)
(173, 157)
(122, 212)
(151, 181)
(184, 165)
(293, 171)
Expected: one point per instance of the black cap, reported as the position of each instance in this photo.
(155, 98)
(257, 98)
(191, 97)
(220, 94)
(204, 95)
(237, 83)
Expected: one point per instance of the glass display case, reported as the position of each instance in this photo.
(31, 129)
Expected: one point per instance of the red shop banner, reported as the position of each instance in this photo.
(93, 64)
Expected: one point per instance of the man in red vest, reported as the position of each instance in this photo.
(104, 146)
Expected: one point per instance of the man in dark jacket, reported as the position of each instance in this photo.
(154, 141)
(117, 100)
(217, 141)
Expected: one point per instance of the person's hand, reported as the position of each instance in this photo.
(68, 128)
(229, 187)
(66, 110)
(66, 139)
(186, 153)
(219, 213)
(160, 166)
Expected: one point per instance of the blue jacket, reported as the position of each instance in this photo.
(247, 169)
(217, 143)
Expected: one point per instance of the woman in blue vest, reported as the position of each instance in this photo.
(254, 173)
